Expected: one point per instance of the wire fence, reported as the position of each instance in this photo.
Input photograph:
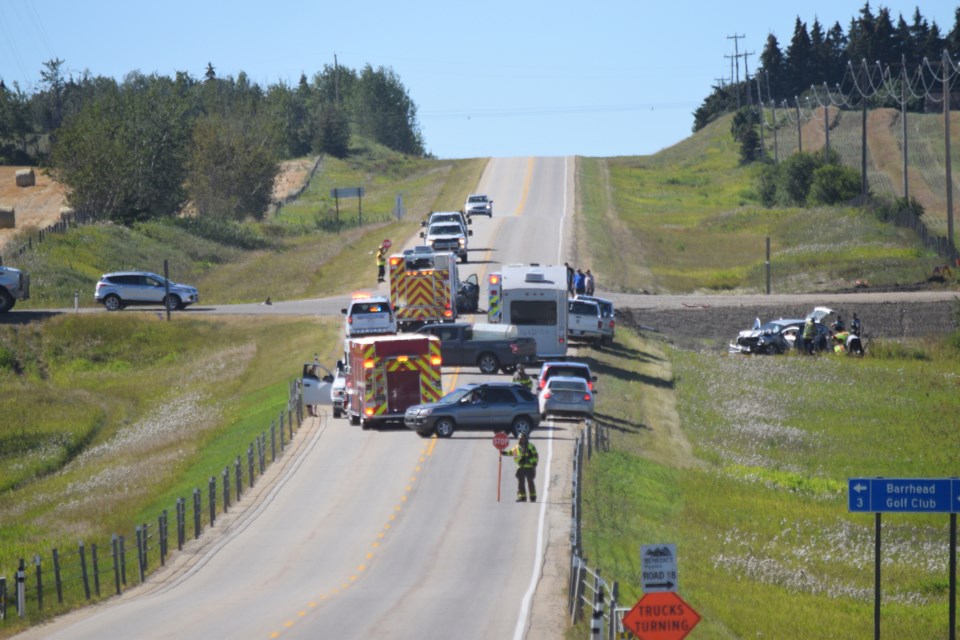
(586, 587)
(67, 221)
(46, 585)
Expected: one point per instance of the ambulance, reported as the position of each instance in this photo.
(385, 374)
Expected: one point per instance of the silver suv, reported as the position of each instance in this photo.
(124, 288)
(478, 204)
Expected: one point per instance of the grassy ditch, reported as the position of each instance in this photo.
(688, 220)
(753, 488)
(111, 417)
(303, 256)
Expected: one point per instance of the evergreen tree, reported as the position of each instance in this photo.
(952, 41)
(799, 59)
(772, 68)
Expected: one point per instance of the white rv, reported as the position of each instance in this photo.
(533, 298)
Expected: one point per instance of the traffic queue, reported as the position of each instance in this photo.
(393, 345)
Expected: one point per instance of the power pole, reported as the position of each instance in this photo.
(746, 76)
(736, 57)
(737, 84)
(336, 81)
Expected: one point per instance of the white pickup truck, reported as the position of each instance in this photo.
(447, 236)
(585, 321)
(14, 285)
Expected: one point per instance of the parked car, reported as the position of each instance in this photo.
(368, 314)
(124, 288)
(490, 347)
(584, 321)
(607, 313)
(490, 405)
(565, 368)
(478, 204)
(779, 336)
(566, 396)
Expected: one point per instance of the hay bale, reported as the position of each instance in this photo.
(66, 214)
(26, 178)
(8, 218)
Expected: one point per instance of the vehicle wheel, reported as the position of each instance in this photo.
(354, 420)
(508, 368)
(337, 413)
(769, 350)
(522, 426)
(463, 258)
(6, 301)
(113, 303)
(172, 303)
(543, 416)
(424, 434)
(488, 363)
(444, 427)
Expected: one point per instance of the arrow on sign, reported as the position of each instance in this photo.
(659, 585)
(859, 487)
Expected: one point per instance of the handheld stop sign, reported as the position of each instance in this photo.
(501, 441)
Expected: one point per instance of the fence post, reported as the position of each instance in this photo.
(589, 439)
(22, 589)
(57, 581)
(3, 598)
(36, 561)
(115, 545)
(181, 525)
(226, 488)
(263, 452)
(614, 628)
(290, 423)
(273, 441)
(596, 623)
(123, 559)
(238, 475)
(250, 465)
(83, 570)
(96, 568)
(280, 420)
(196, 513)
(578, 591)
(212, 489)
(162, 530)
(140, 537)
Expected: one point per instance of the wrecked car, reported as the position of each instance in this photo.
(779, 336)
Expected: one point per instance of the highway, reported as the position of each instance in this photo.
(382, 533)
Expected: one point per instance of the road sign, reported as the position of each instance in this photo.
(346, 192)
(501, 441)
(661, 615)
(904, 495)
(658, 563)
(386, 244)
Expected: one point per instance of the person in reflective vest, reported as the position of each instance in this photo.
(525, 455)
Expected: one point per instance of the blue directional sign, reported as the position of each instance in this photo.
(904, 495)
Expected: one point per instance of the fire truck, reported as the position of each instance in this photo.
(388, 373)
(423, 287)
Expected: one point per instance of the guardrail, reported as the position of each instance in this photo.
(586, 586)
(69, 578)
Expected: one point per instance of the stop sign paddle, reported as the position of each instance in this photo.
(501, 441)
(386, 244)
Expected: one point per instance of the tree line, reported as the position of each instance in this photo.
(143, 147)
(817, 55)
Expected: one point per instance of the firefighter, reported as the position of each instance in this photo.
(525, 454)
(381, 262)
(521, 377)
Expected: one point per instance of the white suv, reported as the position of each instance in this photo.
(478, 204)
(123, 288)
(369, 314)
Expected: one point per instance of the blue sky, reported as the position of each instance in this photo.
(495, 78)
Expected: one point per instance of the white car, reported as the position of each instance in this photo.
(368, 315)
(123, 288)
(566, 396)
(478, 204)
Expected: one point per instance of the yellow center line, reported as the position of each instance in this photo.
(526, 188)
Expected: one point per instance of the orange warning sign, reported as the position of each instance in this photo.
(661, 615)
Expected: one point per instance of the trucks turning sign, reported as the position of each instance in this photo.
(661, 615)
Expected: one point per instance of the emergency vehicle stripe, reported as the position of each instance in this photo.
(370, 389)
(431, 387)
(420, 295)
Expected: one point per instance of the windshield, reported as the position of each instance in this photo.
(445, 229)
(455, 395)
(478, 199)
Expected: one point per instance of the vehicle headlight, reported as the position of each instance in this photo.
(423, 413)
(462, 241)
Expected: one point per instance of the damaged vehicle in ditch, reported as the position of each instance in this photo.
(780, 336)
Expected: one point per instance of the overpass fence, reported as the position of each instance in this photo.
(48, 584)
(588, 592)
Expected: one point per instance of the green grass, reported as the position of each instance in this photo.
(758, 506)
(687, 220)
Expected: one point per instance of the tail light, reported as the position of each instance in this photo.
(547, 394)
(403, 358)
(349, 319)
(368, 411)
(447, 313)
(368, 363)
(611, 324)
(586, 397)
(600, 324)
(542, 384)
(514, 348)
(435, 361)
(590, 385)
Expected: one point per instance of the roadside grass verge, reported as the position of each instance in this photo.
(162, 407)
(305, 258)
(689, 214)
(758, 509)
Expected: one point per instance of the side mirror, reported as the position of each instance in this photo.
(423, 235)
(423, 223)
(470, 232)
(328, 378)
(593, 378)
(343, 311)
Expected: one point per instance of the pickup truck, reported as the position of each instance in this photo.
(447, 236)
(14, 285)
(490, 347)
(585, 321)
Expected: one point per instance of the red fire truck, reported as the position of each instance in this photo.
(388, 373)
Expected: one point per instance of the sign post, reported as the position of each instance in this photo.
(501, 441)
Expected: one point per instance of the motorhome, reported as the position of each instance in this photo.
(534, 298)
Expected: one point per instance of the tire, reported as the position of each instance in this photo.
(113, 302)
(424, 434)
(543, 416)
(463, 258)
(6, 301)
(354, 420)
(337, 413)
(488, 363)
(444, 427)
(522, 426)
(172, 302)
